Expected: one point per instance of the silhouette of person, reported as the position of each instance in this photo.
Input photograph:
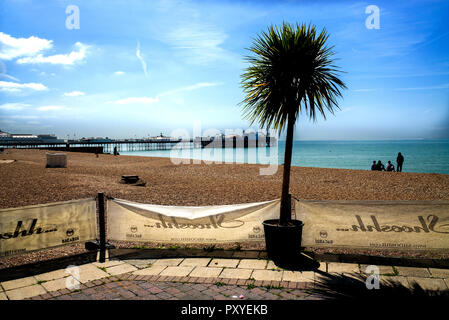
(390, 166)
(374, 166)
(399, 162)
(380, 166)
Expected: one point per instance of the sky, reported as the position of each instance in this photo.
(133, 69)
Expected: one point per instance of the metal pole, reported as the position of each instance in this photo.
(101, 221)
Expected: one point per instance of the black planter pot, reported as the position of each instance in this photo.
(282, 242)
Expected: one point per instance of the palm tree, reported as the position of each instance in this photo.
(290, 72)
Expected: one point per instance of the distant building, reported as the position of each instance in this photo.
(93, 139)
(28, 137)
(4, 134)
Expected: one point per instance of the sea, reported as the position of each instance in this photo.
(424, 156)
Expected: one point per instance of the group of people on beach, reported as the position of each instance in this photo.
(390, 167)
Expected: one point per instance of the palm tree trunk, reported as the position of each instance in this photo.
(286, 212)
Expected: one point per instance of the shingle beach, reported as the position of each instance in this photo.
(26, 181)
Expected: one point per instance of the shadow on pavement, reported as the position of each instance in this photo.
(297, 262)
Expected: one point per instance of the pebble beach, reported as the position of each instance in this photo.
(26, 181)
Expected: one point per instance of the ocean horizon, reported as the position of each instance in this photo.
(421, 155)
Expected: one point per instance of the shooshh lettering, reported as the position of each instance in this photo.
(23, 231)
(217, 221)
(431, 225)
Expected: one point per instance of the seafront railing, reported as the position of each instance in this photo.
(369, 224)
(32, 228)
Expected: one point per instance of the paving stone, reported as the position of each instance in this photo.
(439, 273)
(89, 272)
(108, 264)
(413, 272)
(3, 296)
(168, 262)
(141, 263)
(120, 269)
(151, 271)
(25, 292)
(428, 283)
(63, 283)
(323, 266)
(271, 265)
(57, 274)
(252, 264)
(297, 276)
(205, 272)
(246, 254)
(176, 271)
(383, 270)
(228, 263)
(267, 275)
(402, 280)
(263, 255)
(342, 267)
(231, 273)
(195, 262)
(18, 283)
(319, 277)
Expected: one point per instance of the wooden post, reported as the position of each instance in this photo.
(101, 221)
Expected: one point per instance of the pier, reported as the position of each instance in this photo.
(158, 143)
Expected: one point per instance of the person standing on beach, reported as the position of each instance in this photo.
(399, 162)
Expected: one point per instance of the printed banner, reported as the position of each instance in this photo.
(400, 225)
(32, 228)
(131, 221)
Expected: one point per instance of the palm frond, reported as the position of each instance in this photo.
(290, 72)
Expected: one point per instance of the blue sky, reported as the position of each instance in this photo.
(139, 68)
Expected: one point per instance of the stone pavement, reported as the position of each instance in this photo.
(197, 279)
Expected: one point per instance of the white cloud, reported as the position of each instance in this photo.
(191, 88)
(437, 87)
(139, 56)
(17, 87)
(77, 55)
(7, 76)
(51, 108)
(144, 100)
(119, 73)
(24, 117)
(148, 100)
(348, 109)
(74, 94)
(12, 48)
(196, 35)
(199, 43)
(364, 90)
(14, 106)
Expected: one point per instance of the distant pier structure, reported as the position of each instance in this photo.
(106, 145)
